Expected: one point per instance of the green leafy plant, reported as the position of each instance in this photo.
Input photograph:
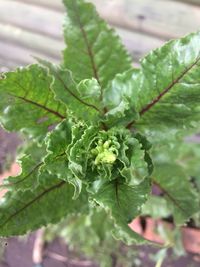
(94, 127)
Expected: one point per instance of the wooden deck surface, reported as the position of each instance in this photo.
(34, 27)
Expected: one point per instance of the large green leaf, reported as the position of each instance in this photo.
(93, 49)
(165, 91)
(27, 103)
(92, 153)
(168, 89)
(188, 154)
(56, 160)
(30, 163)
(23, 211)
(178, 191)
(124, 203)
(81, 99)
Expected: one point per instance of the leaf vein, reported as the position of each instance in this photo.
(168, 88)
(75, 96)
(32, 202)
(39, 105)
(89, 48)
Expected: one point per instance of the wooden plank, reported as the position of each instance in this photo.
(19, 56)
(51, 4)
(13, 53)
(31, 38)
(35, 42)
(31, 18)
(138, 44)
(57, 5)
(45, 47)
(189, 2)
(165, 19)
(6, 65)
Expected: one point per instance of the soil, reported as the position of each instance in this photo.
(18, 253)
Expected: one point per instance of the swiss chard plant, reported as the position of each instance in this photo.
(99, 133)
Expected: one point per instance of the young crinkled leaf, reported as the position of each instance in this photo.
(105, 155)
(93, 49)
(178, 191)
(81, 99)
(57, 160)
(79, 153)
(27, 103)
(80, 132)
(166, 89)
(51, 200)
(124, 203)
(139, 165)
(119, 99)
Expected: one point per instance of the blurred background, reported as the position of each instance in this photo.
(34, 28)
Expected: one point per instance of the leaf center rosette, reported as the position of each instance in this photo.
(97, 156)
